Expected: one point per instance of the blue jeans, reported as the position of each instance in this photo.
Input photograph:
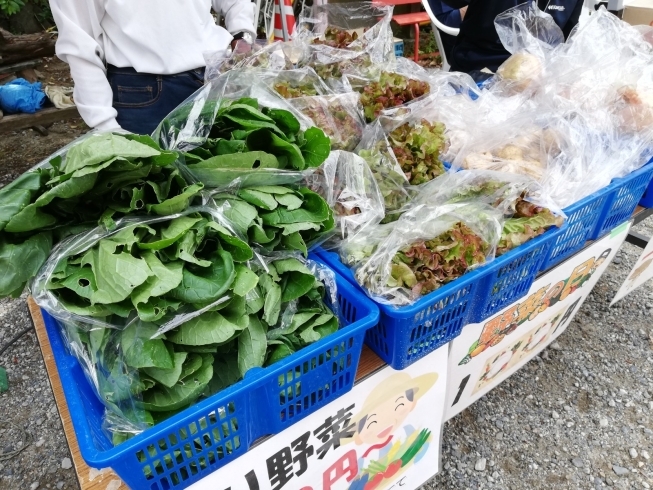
(144, 100)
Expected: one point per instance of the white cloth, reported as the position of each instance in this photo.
(162, 37)
(59, 96)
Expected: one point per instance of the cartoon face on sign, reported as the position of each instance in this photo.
(388, 445)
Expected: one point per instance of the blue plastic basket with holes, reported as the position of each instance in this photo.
(406, 334)
(598, 213)
(511, 275)
(185, 448)
(624, 195)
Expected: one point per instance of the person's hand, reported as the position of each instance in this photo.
(463, 11)
(238, 46)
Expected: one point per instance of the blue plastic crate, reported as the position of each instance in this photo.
(512, 275)
(647, 198)
(408, 333)
(624, 195)
(185, 448)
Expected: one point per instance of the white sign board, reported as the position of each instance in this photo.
(642, 272)
(487, 353)
(384, 434)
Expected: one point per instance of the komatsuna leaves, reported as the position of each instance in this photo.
(246, 280)
(17, 195)
(266, 140)
(314, 210)
(259, 199)
(285, 120)
(201, 285)
(141, 351)
(163, 399)
(278, 352)
(316, 147)
(177, 203)
(208, 328)
(252, 345)
(100, 148)
(226, 373)
(165, 278)
(116, 274)
(168, 377)
(175, 229)
(20, 262)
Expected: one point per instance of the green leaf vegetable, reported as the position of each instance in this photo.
(278, 217)
(253, 315)
(102, 178)
(246, 137)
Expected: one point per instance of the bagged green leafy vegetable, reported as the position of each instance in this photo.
(276, 217)
(238, 106)
(187, 315)
(96, 179)
(428, 247)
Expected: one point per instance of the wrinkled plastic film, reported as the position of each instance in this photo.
(388, 280)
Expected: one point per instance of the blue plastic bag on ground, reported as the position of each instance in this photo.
(21, 96)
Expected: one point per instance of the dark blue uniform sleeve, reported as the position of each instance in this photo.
(450, 18)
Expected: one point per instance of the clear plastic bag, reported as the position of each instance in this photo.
(513, 147)
(190, 124)
(197, 312)
(424, 250)
(348, 185)
(357, 26)
(529, 35)
(340, 116)
(390, 86)
(275, 56)
(95, 179)
(290, 84)
(527, 210)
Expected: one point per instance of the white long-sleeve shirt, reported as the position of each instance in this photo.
(161, 37)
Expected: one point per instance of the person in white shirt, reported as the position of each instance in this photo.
(134, 61)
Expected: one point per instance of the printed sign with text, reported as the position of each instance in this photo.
(487, 353)
(384, 434)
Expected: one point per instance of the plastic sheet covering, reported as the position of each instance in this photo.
(428, 247)
(190, 313)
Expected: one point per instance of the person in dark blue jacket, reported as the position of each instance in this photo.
(450, 17)
(478, 45)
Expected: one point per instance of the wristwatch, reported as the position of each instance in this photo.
(245, 36)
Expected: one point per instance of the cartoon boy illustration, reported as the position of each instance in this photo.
(388, 445)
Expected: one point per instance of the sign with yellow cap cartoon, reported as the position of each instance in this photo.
(383, 435)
